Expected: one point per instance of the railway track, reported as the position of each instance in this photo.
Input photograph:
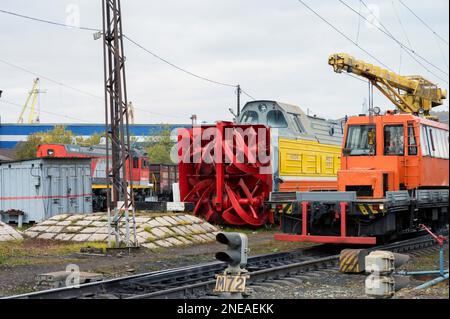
(198, 281)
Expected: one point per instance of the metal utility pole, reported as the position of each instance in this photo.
(120, 191)
(238, 92)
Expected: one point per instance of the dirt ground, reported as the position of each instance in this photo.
(21, 261)
(331, 284)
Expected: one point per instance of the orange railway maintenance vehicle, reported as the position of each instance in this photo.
(394, 172)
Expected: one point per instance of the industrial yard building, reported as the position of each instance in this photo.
(11, 134)
(35, 190)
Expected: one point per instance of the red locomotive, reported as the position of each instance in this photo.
(140, 169)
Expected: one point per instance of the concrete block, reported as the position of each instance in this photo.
(185, 229)
(98, 237)
(205, 237)
(153, 223)
(185, 219)
(64, 223)
(54, 229)
(64, 237)
(83, 222)
(46, 235)
(178, 219)
(39, 228)
(6, 238)
(32, 234)
(49, 222)
(146, 236)
(141, 220)
(60, 217)
(170, 220)
(102, 230)
(73, 229)
(81, 237)
(74, 217)
(174, 241)
(158, 232)
(99, 224)
(95, 217)
(193, 219)
(198, 239)
(88, 230)
(163, 243)
(167, 231)
(208, 227)
(184, 240)
(149, 245)
(198, 229)
(162, 221)
(178, 230)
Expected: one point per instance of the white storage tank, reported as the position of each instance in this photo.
(45, 187)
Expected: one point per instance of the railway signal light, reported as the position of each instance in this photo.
(237, 251)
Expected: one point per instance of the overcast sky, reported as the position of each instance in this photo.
(275, 49)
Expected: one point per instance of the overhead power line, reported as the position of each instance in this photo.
(77, 89)
(46, 112)
(403, 46)
(424, 23)
(344, 35)
(48, 21)
(129, 39)
(176, 66)
(50, 79)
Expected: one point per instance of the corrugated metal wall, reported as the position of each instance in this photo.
(43, 188)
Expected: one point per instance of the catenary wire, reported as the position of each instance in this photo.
(406, 48)
(424, 23)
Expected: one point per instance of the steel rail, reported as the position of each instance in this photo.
(89, 289)
(280, 271)
(197, 280)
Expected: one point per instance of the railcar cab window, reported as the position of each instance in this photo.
(434, 142)
(135, 162)
(297, 124)
(393, 140)
(275, 118)
(361, 140)
(250, 117)
(412, 143)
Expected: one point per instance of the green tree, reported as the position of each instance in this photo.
(59, 135)
(160, 146)
(88, 141)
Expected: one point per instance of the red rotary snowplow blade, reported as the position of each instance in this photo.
(225, 169)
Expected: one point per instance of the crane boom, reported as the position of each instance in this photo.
(410, 94)
(33, 93)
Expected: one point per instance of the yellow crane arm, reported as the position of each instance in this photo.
(34, 92)
(411, 94)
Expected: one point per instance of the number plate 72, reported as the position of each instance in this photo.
(230, 283)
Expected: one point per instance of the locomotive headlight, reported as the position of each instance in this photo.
(376, 110)
(381, 206)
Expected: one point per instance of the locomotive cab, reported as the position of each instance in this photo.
(393, 153)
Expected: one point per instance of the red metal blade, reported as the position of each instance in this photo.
(249, 219)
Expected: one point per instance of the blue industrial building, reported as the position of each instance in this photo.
(11, 134)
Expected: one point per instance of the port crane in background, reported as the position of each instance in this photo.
(411, 94)
(33, 96)
(131, 112)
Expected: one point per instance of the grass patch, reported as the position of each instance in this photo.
(36, 251)
(148, 229)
